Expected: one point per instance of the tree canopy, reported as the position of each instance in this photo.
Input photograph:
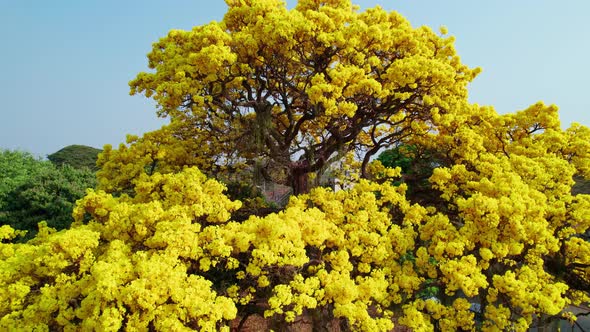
(34, 190)
(296, 88)
(16, 167)
(496, 243)
(77, 156)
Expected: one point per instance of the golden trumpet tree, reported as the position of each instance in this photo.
(299, 88)
(498, 246)
(497, 242)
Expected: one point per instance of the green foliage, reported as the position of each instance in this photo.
(240, 190)
(429, 289)
(77, 156)
(34, 190)
(417, 165)
(401, 156)
(581, 186)
(16, 167)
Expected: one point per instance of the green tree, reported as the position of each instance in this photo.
(401, 156)
(16, 167)
(77, 156)
(416, 164)
(34, 190)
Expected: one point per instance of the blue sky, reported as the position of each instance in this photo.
(65, 64)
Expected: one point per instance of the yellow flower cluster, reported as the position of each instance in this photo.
(510, 183)
(125, 261)
(168, 256)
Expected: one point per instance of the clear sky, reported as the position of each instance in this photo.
(65, 64)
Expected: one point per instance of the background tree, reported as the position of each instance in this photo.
(34, 190)
(77, 156)
(417, 164)
(301, 87)
(16, 167)
(402, 156)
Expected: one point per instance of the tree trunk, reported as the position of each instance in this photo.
(299, 181)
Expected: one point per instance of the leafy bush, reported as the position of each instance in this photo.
(402, 156)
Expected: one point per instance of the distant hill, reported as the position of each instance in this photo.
(77, 156)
